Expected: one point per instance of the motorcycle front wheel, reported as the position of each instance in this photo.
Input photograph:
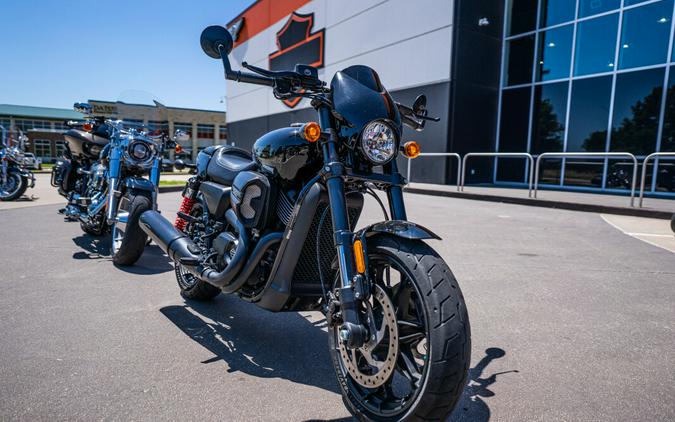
(14, 187)
(415, 364)
(128, 239)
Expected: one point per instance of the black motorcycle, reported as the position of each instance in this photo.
(15, 178)
(80, 175)
(278, 229)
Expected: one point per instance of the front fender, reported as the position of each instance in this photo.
(400, 228)
(139, 184)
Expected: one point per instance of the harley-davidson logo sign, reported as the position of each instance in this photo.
(297, 45)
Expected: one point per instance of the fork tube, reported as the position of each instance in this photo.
(114, 170)
(154, 178)
(333, 171)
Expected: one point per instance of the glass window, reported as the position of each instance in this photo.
(668, 134)
(133, 123)
(554, 53)
(637, 103)
(644, 35)
(554, 12)
(584, 172)
(205, 131)
(593, 7)
(513, 132)
(522, 16)
(595, 45)
(631, 2)
(60, 148)
(519, 56)
(548, 119)
(43, 148)
(589, 114)
(162, 126)
(223, 132)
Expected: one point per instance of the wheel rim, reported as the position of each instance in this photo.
(408, 375)
(117, 237)
(11, 185)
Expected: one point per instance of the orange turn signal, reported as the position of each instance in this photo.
(311, 131)
(358, 257)
(178, 149)
(411, 149)
(88, 127)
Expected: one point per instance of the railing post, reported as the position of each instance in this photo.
(644, 170)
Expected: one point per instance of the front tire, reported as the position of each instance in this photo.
(433, 338)
(128, 240)
(15, 186)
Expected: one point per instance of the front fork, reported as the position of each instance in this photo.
(351, 291)
(114, 171)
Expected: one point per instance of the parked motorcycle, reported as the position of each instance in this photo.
(120, 185)
(278, 229)
(15, 177)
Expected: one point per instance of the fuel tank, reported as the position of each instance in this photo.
(85, 144)
(285, 154)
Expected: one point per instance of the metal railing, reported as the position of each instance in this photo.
(670, 155)
(585, 155)
(439, 154)
(499, 155)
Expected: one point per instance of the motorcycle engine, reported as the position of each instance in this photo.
(97, 177)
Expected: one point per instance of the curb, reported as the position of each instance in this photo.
(544, 203)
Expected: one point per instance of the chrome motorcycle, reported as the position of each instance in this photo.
(279, 229)
(15, 178)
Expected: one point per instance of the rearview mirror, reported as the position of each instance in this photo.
(181, 136)
(83, 108)
(420, 105)
(213, 37)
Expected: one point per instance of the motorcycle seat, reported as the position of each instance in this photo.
(227, 162)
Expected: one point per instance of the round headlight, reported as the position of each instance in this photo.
(139, 151)
(378, 142)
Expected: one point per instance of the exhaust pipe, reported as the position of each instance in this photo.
(181, 249)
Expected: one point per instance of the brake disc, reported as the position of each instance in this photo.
(356, 361)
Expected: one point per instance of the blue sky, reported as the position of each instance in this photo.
(57, 52)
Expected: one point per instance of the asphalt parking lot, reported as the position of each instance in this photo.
(573, 319)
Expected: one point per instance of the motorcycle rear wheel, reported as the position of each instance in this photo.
(15, 187)
(432, 336)
(191, 287)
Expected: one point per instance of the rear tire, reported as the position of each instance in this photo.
(672, 223)
(191, 287)
(93, 231)
(134, 238)
(16, 186)
(441, 350)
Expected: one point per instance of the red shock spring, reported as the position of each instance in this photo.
(185, 208)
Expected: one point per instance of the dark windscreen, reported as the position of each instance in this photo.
(358, 95)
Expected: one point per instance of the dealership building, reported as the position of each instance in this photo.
(503, 75)
(44, 126)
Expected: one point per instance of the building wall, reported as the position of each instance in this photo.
(408, 43)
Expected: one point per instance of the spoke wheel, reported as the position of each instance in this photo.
(11, 188)
(415, 363)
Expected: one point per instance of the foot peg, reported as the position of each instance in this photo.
(189, 262)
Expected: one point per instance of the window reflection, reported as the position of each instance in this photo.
(513, 132)
(554, 53)
(519, 56)
(589, 114)
(584, 172)
(595, 45)
(668, 134)
(593, 7)
(550, 109)
(637, 104)
(554, 12)
(523, 16)
(644, 35)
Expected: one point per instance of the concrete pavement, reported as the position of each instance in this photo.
(571, 320)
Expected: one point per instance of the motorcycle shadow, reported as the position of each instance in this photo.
(93, 247)
(471, 406)
(153, 261)
(257, 342)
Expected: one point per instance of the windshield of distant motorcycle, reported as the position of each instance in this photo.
(142, 111)
(359, 97)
